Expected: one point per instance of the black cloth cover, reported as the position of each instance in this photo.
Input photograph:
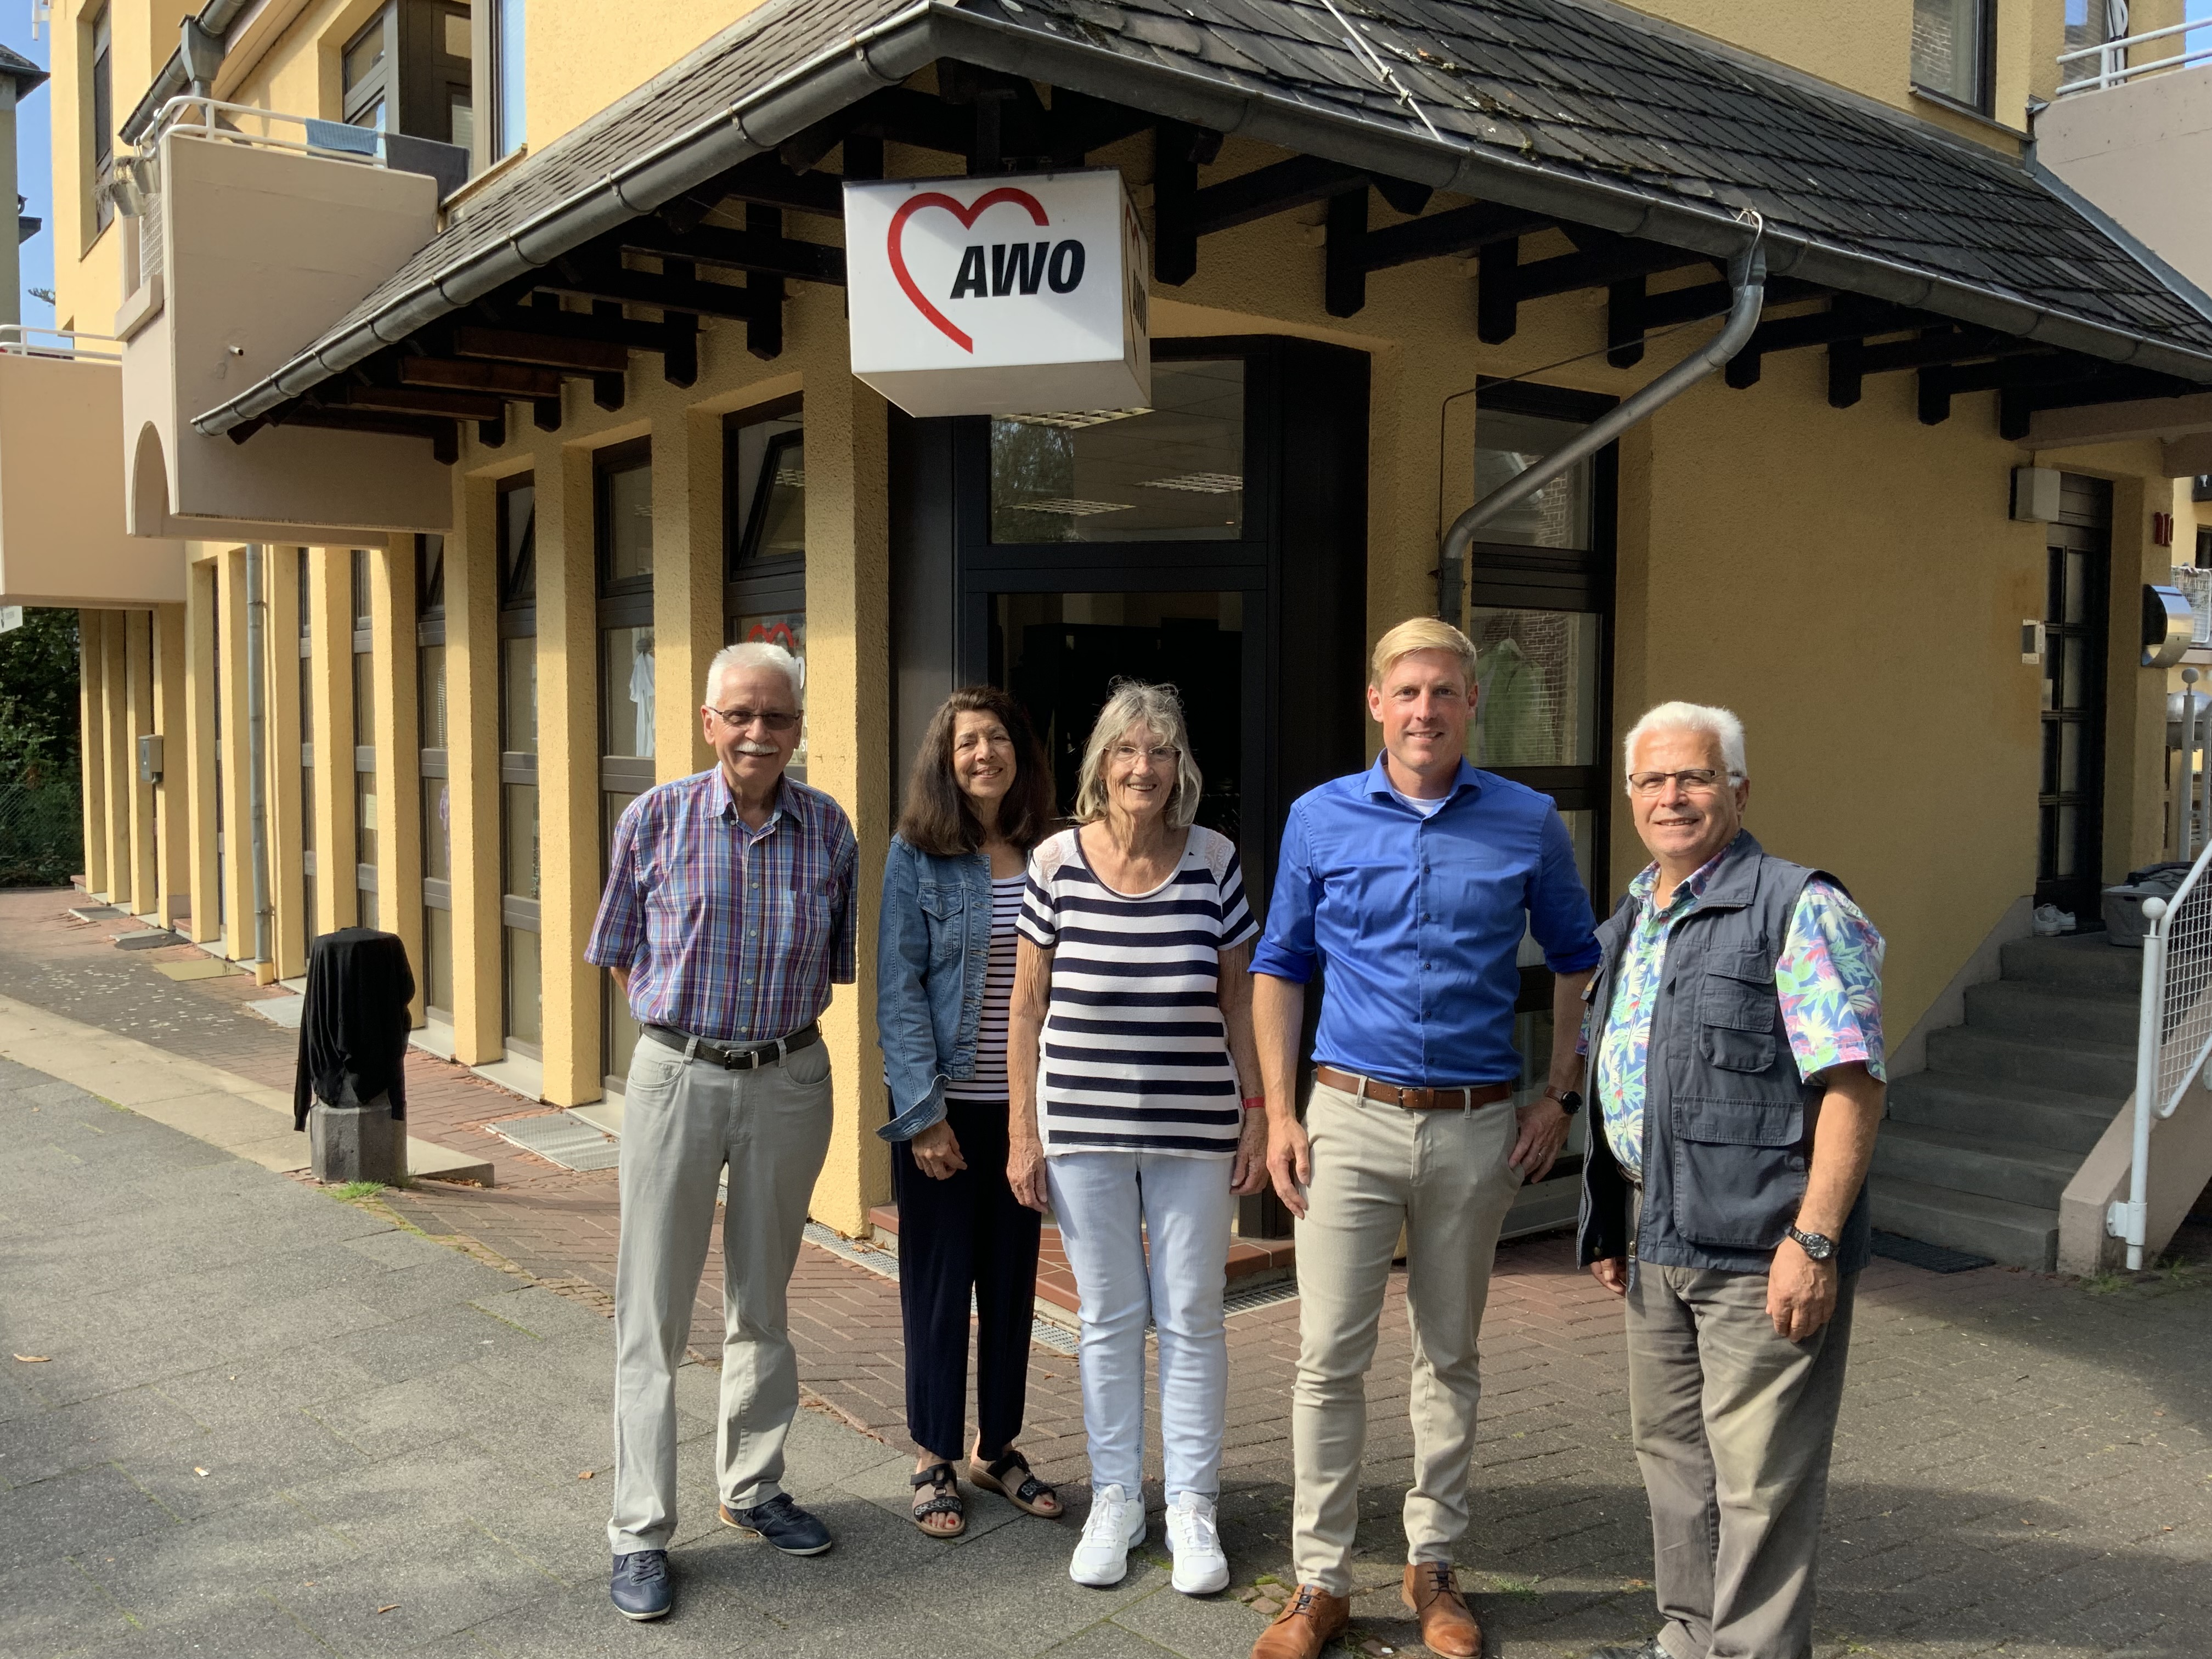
(353, 1032)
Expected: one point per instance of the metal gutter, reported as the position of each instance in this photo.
(926, 30)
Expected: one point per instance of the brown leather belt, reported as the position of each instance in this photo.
(1416, 1100)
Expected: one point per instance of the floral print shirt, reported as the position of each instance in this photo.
(1828, 975)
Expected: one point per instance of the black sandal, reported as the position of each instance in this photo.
(945, 1499)
(1024, 1496)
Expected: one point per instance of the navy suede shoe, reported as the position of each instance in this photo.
(640, 1589)
(782, 1524)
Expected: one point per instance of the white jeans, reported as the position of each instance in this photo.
(1108, 1204)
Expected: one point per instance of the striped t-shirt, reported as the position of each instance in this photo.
(1135, 1056)
(988, 1080)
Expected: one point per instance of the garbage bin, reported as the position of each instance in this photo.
(2122, 902)
(351, 1092)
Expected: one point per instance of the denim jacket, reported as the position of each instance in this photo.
(933, 947)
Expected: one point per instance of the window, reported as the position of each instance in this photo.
(306, 751)
(764, 523)
(437, 792)
(1951, 50)
(410, 70)
(364, 741)
(2090, 23)
(521, 974)
(102, 115)
(503, 37)
(623, 491)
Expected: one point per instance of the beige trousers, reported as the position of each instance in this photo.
(1441, 1178)
(1733, 1426)
(683, 1122)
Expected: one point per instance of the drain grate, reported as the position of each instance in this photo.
(562, 1138)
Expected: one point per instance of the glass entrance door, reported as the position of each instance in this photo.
(2071, 841)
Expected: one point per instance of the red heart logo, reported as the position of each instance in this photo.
(967, 216)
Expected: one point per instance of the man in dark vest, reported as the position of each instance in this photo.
(1734, 1045)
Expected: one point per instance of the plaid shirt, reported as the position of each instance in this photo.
(729, 933)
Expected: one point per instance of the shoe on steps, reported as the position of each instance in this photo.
(1116, 1521)
(641, 1588)
(1313, 1620)
(782, 1522)
(1433, 1597)
(1200, 1568)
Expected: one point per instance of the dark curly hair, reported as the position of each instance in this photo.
(938, 818)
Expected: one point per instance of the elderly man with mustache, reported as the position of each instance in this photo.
(1735, 1028)
(728, 915)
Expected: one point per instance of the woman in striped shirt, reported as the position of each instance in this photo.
(1135, 1089)
(980, 799)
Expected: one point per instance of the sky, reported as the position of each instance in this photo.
(34, 147)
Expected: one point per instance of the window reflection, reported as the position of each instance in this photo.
(1506, 445)
(626, 679)
(1536, 672)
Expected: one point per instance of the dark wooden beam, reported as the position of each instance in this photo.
(773, 182)
(1841, 321)
(424, 400)
(1846, 372)
(1496, 298)
(1174, 199)
(610, 387)
(898, 113)
(679, 355)
(1294, 182)
(545, 414)
(1344, 279)
(1566, 272)
(1403, 195)
(1079, 124)
(737, 250)
(444, 440)
(549, 350)
(1941, 345)
(1702, 299)
(1454, 231)
(508, 380)
(599, 279)
(864, 156)
(492, 433)
(1624, 322)
(764, 330)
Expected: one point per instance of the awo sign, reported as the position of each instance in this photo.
(997, 296)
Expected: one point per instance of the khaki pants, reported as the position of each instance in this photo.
(683, 1122)
(1442, 1177)
(1733, 1427)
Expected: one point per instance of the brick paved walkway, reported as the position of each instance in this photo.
(2022, 1464)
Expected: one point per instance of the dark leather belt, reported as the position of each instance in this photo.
(1416, 1100)
(737, 1056)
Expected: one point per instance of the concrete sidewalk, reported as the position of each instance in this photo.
(240, 1417)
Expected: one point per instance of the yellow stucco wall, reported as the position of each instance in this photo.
(576, 65)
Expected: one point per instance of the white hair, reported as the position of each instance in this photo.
(757, 654)
(1721, 724)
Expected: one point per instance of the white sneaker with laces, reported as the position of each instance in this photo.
(1200, 1568)
(1116, 1523)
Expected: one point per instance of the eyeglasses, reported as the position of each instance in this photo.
(1125, 754)
(1696, 778)
(776, 720)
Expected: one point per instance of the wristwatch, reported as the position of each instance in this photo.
(1570, 1101)
(1819, 1246)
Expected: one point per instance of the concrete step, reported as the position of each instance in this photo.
(2033, 1175)
(2086, 961)
(2016, 1234)
(2089, 1068)
(2059, 1014)
(2020, 1111)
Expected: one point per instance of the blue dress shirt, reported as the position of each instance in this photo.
(1415, 922)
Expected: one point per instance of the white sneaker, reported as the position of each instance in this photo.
(1200, 1568)
(1118, 1521)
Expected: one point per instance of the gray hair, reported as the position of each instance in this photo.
(757, 654)
(1721, 724)
(1133, 703)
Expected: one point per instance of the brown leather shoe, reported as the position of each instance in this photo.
(1313, 1619)
(1446, 1627)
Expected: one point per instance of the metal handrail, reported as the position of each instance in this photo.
(2112, 68)
(15, 343)
(2173, 1032)
(170, 118)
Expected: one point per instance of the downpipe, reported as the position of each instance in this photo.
(257, 724)
(1747, 273)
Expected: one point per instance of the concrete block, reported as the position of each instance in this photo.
(357, 1143)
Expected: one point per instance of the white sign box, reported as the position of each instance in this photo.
(1014, 296)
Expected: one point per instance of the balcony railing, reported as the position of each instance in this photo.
(26, 340)
(2093, 68)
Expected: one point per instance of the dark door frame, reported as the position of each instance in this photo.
(2084, 528)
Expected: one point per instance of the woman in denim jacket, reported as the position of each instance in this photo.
(980, 799)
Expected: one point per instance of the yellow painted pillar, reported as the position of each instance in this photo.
(848, 723)
(330, 629)
(202, 609)
(687, 585)
(236, 741)
(92, 747)
(138, 719)
(2135, 730)
(287, 893)
(399, 752)
(472, 760)
(173, 796)
(567, 776)
(117, 753)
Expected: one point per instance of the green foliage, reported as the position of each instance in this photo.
(41, 825)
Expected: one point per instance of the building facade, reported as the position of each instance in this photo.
(473, 444)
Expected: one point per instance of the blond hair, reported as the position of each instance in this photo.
(1134, 703)
(1422, 633)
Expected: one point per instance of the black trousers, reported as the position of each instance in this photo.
(965, 1233)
